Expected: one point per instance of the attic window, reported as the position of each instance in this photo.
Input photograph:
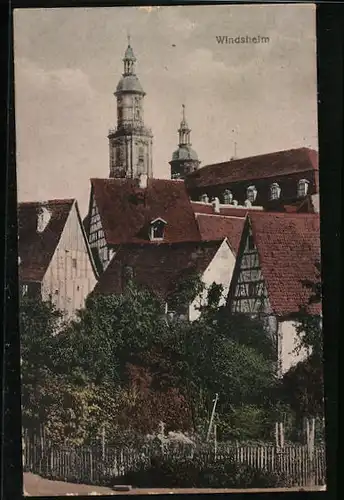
(251, 194)
(227, 197)
(275, 191)
(157, 229)
(302, 188)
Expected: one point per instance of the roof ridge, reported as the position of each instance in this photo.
(46, 202)
(303, 148)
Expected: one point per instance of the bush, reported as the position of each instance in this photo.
(194, 473)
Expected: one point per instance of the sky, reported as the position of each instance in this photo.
(68, 61)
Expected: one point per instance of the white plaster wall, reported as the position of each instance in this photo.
(68, 285)
(219, 271)
(287, 339)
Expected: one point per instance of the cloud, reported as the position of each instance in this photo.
(62, 79)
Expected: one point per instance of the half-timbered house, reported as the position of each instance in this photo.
(162, 268)
(278, 254)
(139, 211)
(55, 261)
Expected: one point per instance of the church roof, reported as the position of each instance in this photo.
(159, 268)
(289, 248)
(271, 165)
(37, 249)
(126, 210)
(184, 152)
(129, 83)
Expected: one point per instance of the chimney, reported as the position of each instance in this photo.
(204, 198)
(143, 181)
(216, 205)
(43, 218)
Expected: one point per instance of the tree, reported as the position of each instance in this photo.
(39, 324)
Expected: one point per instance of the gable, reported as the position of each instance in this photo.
(126, 210)
(249, 293)
(35, 248)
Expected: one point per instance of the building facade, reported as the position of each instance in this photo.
(278, 253)
(55, 261)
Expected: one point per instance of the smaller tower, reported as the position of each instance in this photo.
(184, 159)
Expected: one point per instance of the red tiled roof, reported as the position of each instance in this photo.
(289, 248)
(218, 227)
(126, 210)
(158, 267)
(255, 167)
(37, 249)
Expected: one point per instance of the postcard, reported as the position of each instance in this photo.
(169, 249)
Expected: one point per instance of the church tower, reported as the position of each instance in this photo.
(130, 142)
(184, 159)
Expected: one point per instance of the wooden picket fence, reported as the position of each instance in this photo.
(96, 464)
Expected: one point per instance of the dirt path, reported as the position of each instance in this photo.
(37, 486)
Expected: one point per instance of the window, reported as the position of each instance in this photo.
(251, 194)
(24, 290)
(157, 229)
(141, 159)
(227, 197)
(74, 263)
(275, 191)
(302, 188)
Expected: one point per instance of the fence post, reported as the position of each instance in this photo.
(91, 466)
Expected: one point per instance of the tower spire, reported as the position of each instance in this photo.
(184, 131)
(184, 159)
(129, 59)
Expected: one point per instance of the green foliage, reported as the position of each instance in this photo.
(245, 423)
(186, 290)
(122, 367)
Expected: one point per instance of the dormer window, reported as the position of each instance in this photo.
(302, 188)
(227, 197)
(157, 229)
(251, 194)
(43, 218)
(275, 191)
